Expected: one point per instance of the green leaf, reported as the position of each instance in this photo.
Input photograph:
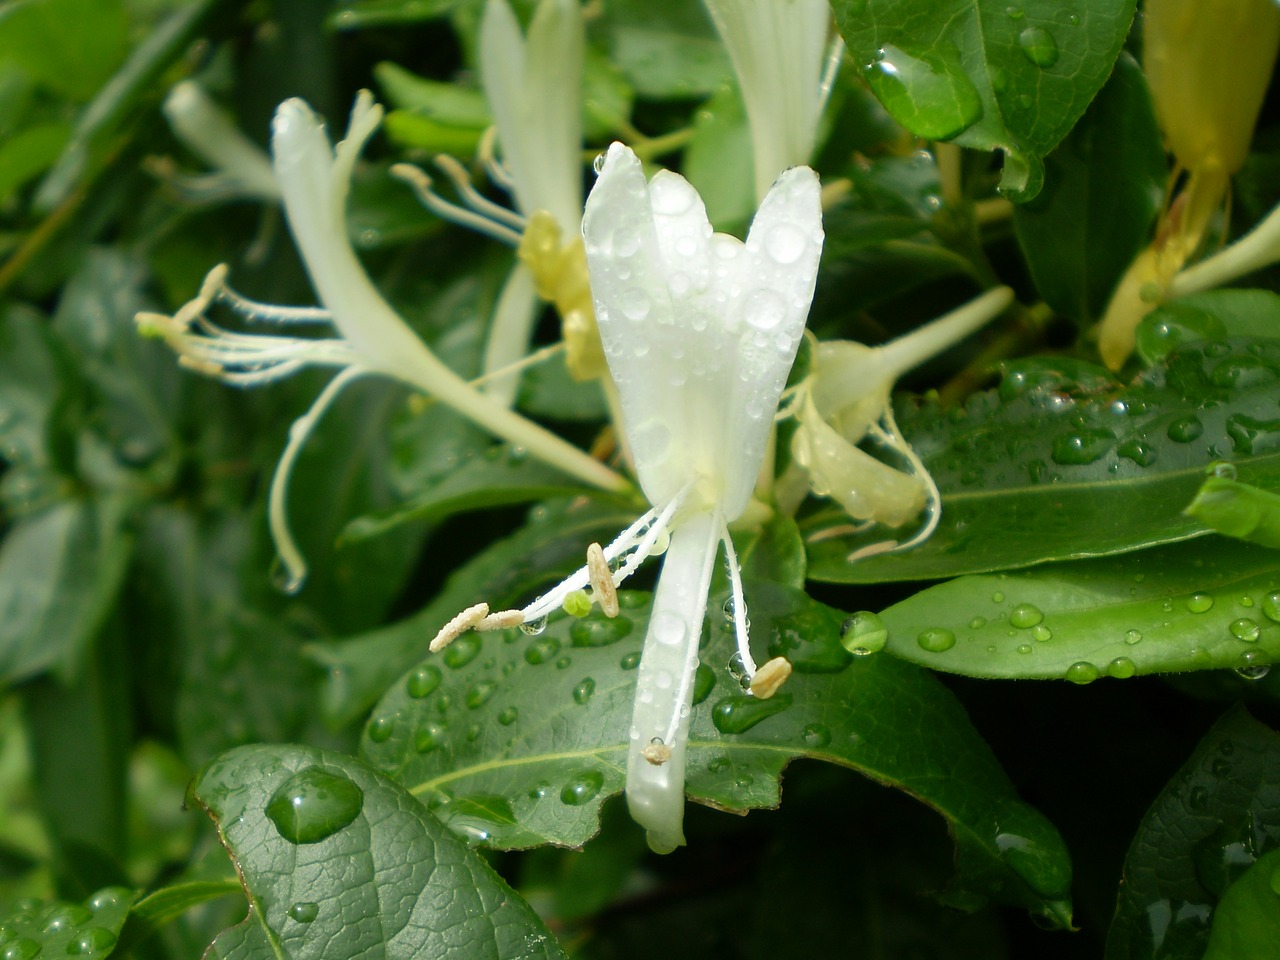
(338, 861)
(986, 73)
(498, 477)
(360, 14)
(69, 46)
(448, 103)
(360, 668)
(1207, 316)
(718, 159)
(28, 153)
(1104, 185)
(30, 383)
(1216, 816)
(1207, 604)
(60, 572)
(1064, 462)
(537, 727)
(1246, 924)
(666, 51)
(1238, 510)
(87, 930)
(163, 906)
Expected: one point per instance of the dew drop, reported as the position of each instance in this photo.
(1185, 429)
(977, 623)
(668, 628)
(764, 309)
(1199, 603)
(1271, 605)
(997, 597)
(1132, 636)
(463, 650)
(541, 650)
(1038, 46)
(1122, 668)
(583, 691)
(936, 639)
(704, 681)
(304, 912)
(1025, 615)
(598, 630)
(670, 195)
(864, 633)
(815, 736)
(93, 940)
(739, 714)
(283, 580)
(634, 304)
(534, 627)
(563, 663)
(1255, 671)
(1082, 446)
(1041, 633)
(929, 95)
(582, 788)
(106, 898)
(314, 804)
(1139, 451)
(478, 695)
(423, 681)
(1245, 629)
(508, 715)
(784, 243)
(1082, 672)
(1024, 648)
(598, 164)
(381, 728)
(22, 948)
(630, 661)
(431, 737)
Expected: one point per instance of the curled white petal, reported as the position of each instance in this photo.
(209, 133)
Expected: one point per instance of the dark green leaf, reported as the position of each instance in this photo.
(1217, 815)
(1207, 316)
(359, 14)
(1246, 924)
(498, 477)
(986, 73)
(1103, 187)
(338, 861)
(1064, 462)
(1208, 604)
(29, 153)
(360, 668)
(538, 727)
(666, 51)
(85, 930)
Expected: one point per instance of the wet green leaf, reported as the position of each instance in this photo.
(987, 74)
(1238, 510)
(1103, 186)
(1246, 924)
(1208, 604)
(1214, 315)
(1062, 462)
(1216, 817)
(89, 929)
(338, 861)
(541, 722)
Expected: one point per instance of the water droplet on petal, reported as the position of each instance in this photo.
(534, 627)
(668, 628)
(764, 309)
(784, 243)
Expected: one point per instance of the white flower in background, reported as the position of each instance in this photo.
(242, 168)
(845, 400)
(777, 48)
(533, 86)
(700, 331)
(314, 179)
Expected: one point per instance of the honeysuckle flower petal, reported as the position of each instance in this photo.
(700, 331)
(846, 399)
(242, 168)
(314, 179)
(777, 48)
(534, 89)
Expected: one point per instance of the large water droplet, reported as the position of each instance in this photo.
(582, 788)
(463, 650)
(740, 714)
(931, 97)
(1245, 629)
(864, 633)
(67, 917)
(381, 728)
(1271, 605)
(1039, 46)
(1185, 429)
(478, 695)
(541, 650)
(784, 243)
(1082, 446)
(1082, 672)
(668, 628)
(583, 691)
(1139, 451)
(764, 309)
(670, 195)
(92, 940)
(314, 804)
(23, 948)
(1122, 668)
(936, 639)
(508, 715)
(597, 630)
(534, 627)
(304, 911)
(431, 737)
(1025, 615)
(634, 304)
(423, 681)
(1132, 637)
(1199, 603)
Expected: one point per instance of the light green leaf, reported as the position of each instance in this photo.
(668, 50)
(987, 74)
(718, 159)
(1246, 924)
(338, 861)
(1218, 814)
(1238, 510)
(534, 730)
(29, 152)
(88, 930)
(1209, 604)
(1213, 315)
(69, 46)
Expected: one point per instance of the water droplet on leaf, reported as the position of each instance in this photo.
(1038, 46)
(304, 912)
(930, 96)
(582, 788)
(1245, 629)
(1025, 615)
(541, 650)
(740, 714)
(864, 633)
(936, 639)
(423, 681)
(1082, 672)
(314, 804)
(583, 691)
(598, 630)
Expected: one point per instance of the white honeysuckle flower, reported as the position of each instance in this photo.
(700, 331)
(242, 168)
(533, 85)
(778, 53)
(845, 399)
(314, 180)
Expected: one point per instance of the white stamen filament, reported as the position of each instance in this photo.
(736, 598)
(421, 184)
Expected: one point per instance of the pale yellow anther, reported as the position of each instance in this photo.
(459, 625)
(603, 588)
(414, 176)
(770, 677)
(656, 753)
(207, 367)
(501, 620)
